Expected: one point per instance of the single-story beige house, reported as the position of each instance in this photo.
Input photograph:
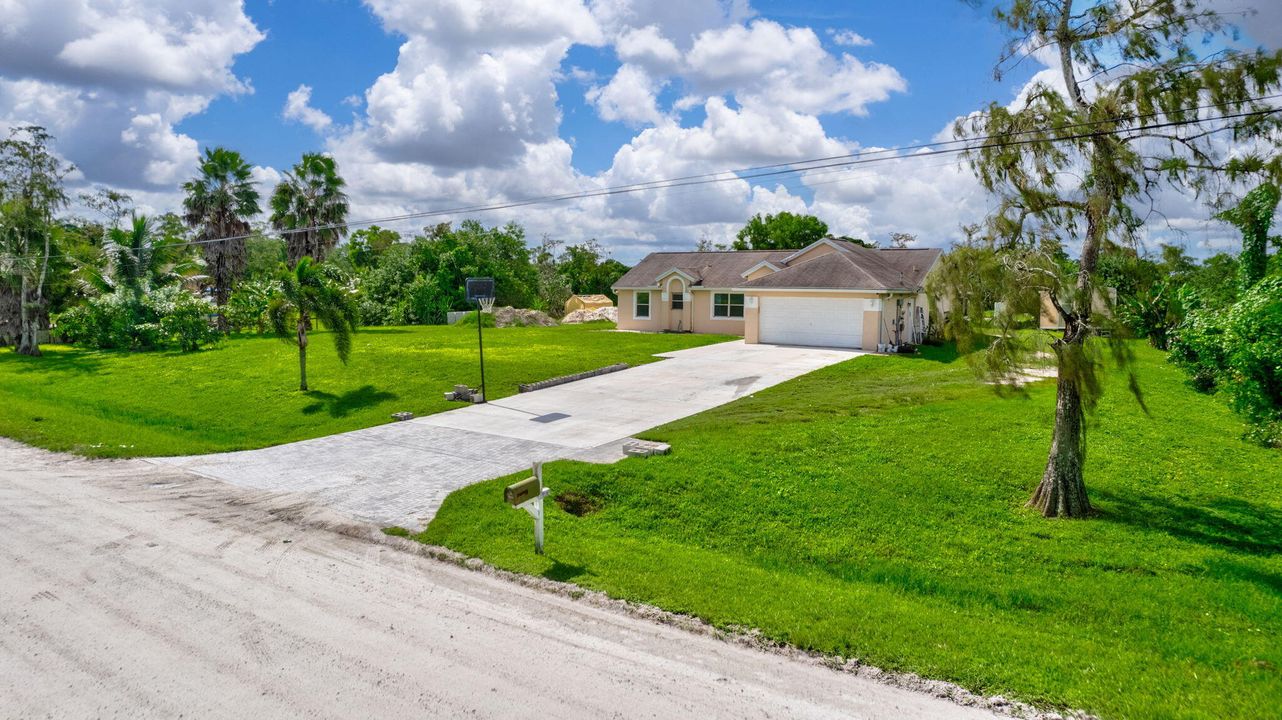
(1050, 319)
(587, 302)
(833, 293)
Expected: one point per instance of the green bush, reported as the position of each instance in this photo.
(1239, 350)
(102, 322)
(247, 308)
(1198, 347)
(168, 317)
(1254, 357)
(469, 320)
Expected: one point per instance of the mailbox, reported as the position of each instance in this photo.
(519, 492)
(528, 495)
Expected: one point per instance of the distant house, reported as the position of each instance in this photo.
(587, 302)
(832, 293)
(1050, 319)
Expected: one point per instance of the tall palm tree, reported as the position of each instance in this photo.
(218, 206)
(309, 207)
(309, 291)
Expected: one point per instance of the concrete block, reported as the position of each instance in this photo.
(645, 448)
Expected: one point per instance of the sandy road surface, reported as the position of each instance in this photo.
(132, 591)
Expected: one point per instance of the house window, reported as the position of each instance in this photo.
(678, 301)
(727, 305)
(641, 305)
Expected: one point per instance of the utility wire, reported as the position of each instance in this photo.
(848, 160)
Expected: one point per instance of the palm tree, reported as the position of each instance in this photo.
(311, 290)
(137, 259)
(309, 207)
(218, 206)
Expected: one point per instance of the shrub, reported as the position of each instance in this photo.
(1239, 350)
(1198, 347)
(1254, 356)
(166, 317)
(469, 320)
(103, 322)
(183, 318)
(247, 307)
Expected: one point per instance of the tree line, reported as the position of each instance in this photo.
(127, 281)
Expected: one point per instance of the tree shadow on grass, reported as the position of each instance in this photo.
(564, 573)
(382, 331)
(1230, 523)
(1269, 581)
(343, 405)
(943, 353)
(52, 361)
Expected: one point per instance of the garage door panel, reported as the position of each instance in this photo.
(821, 322)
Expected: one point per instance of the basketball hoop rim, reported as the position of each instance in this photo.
(486, 304)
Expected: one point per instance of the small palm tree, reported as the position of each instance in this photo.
(218, 206)
(137, 259)
(311, 291)
(309, 207)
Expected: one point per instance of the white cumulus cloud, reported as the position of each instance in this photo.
(298, 107)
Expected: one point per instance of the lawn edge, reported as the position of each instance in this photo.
(750, 638)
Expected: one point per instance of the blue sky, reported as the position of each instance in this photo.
(436, 104)
(339, 48)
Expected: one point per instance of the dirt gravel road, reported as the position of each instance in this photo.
(132, 591)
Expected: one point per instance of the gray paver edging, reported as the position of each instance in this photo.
(553, 382)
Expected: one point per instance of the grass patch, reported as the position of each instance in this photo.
(874, 509)
(243, 394)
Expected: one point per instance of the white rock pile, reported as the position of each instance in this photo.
(582, 316)
(521, 317)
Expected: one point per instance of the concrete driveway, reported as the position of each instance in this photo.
(399, 473)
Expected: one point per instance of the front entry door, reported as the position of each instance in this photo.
(678, 310)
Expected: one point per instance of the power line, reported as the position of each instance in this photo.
(773, 170)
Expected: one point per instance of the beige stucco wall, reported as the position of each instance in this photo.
(676, 320)
(628, 322)
(705, 323)
(697, 315)
(872, 328)
(751, 318)
(1051, 319)
(759, 272)
(815, 252)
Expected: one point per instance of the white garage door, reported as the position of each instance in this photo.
(822, 322)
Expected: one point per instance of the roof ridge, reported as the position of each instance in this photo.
(848, 257)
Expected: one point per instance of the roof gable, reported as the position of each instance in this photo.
(706, 269)
(829, 242)
(855, 268)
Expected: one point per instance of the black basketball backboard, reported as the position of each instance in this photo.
(480, 288)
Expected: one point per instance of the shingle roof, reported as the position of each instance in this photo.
(855, 267)
(709, 269)
(851, 267)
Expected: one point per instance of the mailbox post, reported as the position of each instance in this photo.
(528, 495)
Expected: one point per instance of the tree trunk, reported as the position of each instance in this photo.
(29, 332)
(10, 314)
(222, 293)
(302, 352)
(1062, 492)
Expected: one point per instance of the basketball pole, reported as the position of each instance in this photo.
(480, 346)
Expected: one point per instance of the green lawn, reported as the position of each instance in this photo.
(243, 393)
(875, 509)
